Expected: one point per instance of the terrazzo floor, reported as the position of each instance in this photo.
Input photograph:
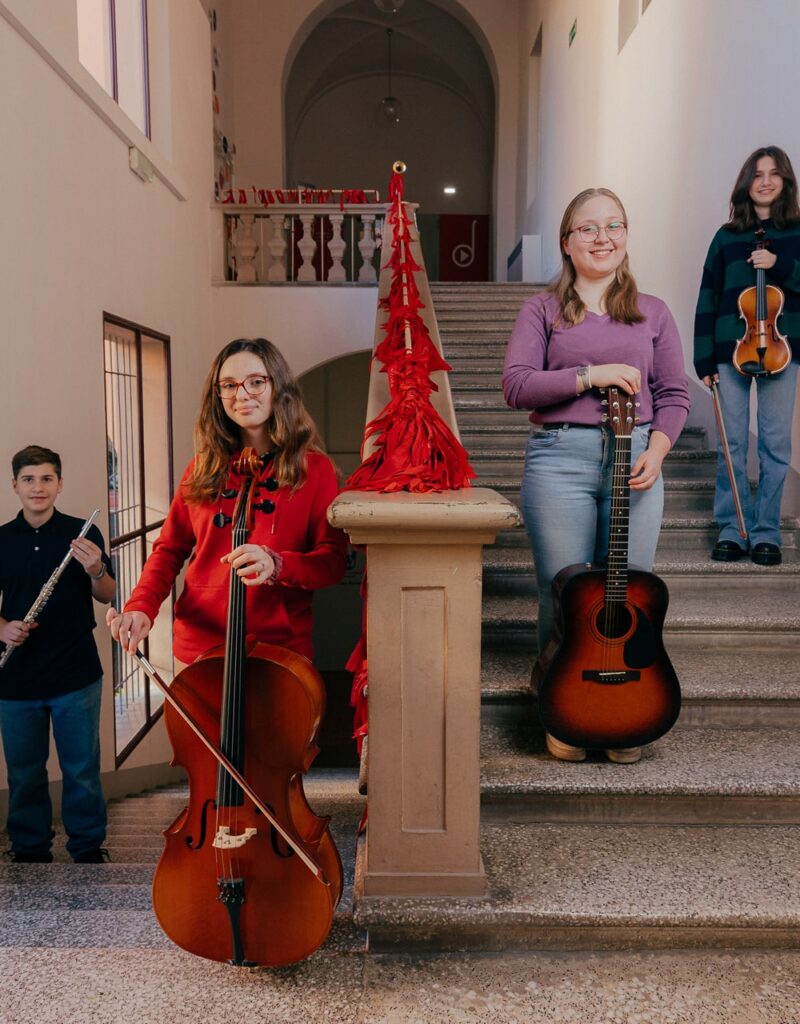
(79, 945)
(102, 986)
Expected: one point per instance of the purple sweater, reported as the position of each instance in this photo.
(542, 361)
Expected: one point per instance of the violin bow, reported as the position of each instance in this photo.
(234, 773)
(712, 387)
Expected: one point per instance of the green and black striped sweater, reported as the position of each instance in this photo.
(718, 324)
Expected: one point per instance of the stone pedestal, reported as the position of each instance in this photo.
(424, 645)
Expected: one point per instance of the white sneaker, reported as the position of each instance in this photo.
(625, 755)
(563, 751)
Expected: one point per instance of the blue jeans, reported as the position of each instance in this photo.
(776, 395)
(25, 727)
(566, 505)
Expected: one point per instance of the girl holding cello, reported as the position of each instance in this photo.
(761, 239)
(249, 874)
(250, 398)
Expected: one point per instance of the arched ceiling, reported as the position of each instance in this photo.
(426, 43)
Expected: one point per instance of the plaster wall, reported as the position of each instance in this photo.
(311, 326)
(84, 236)
(666, 123)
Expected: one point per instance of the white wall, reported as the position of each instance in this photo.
(82, 235)
(666, 123)
(310, 325)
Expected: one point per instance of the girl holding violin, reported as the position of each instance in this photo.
(763, 205)
(592, 329)
(250, 398)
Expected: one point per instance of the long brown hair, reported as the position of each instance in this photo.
(784, 211)
(621, 296)
(217, 438)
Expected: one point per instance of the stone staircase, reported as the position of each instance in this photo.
(693, 848)
(696, 844)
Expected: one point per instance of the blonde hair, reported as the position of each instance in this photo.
(217, 438)
(621, 296)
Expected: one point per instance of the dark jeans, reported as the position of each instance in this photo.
(25, 728)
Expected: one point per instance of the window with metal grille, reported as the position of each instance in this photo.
(139, 440)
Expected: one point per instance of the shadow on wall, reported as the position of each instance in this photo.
(336, 396)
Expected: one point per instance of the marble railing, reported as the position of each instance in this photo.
(307, 243)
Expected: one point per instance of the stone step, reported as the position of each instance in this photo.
(511, 570)
(505, 459)
(727, 682)
(458, 317)
(473, 291)
(690, 776)
(487, 338)
(680, 496)
(464, 358)
(510, 620)
(603, 887)
(693, 537)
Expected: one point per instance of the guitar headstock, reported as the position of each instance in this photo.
(621, 414)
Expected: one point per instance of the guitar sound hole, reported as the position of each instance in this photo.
(613, 623)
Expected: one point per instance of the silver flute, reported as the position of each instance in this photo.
(47, 589)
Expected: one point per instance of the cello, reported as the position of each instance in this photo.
(249, 874)
(762, 350)
(609, 683)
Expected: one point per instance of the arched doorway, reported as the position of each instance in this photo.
(338, 132)
(335, 393)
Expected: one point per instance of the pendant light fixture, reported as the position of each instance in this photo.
(390, 104)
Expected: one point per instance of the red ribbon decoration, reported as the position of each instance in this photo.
(416, 451)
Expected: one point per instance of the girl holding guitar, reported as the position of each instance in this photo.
(250, 398)
(759, 246)
(592, 329)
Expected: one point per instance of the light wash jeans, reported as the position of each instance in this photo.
(776, 395)
(566, 505)
(25, 726)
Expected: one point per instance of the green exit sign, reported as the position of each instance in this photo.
(573, 31)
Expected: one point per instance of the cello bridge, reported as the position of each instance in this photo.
(224, 840)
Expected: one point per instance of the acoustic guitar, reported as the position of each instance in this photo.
(609, 683)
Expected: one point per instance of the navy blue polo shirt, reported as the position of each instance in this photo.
(60, 655)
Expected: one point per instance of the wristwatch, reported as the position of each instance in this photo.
(585, 377)
(101, 574)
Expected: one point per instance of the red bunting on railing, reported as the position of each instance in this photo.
(294, 196)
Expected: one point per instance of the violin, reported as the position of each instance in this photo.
(762, 350)
(249, 874)
(608, 683)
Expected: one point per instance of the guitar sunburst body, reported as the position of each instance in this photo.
(609, 683)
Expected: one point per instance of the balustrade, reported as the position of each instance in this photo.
(303, 242)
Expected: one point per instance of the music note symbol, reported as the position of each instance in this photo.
(464, 255)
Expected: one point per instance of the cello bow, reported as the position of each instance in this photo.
(712, 387)
(236, 775)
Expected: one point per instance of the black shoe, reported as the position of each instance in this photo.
(766, 554)
(30, 857)
(97, 856)
(727, 551)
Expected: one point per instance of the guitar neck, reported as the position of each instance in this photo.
(620, 413)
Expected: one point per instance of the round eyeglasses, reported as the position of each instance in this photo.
(591, 232)
(254, 384)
